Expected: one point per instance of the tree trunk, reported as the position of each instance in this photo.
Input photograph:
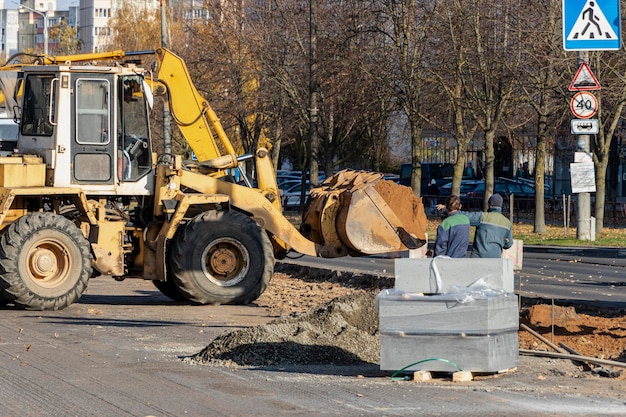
(601, 166)
(459, 167)
(489, 162)
(416, 156)
(540, 167)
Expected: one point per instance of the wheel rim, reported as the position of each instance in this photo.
(225, 262)
(48, 263)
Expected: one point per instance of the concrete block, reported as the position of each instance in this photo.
(491, 353)
(444, 314)
(440, 333)
(438, 275)
(516, 254)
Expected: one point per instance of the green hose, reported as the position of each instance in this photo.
(395, 377)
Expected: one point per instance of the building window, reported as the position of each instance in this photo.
(102, 31)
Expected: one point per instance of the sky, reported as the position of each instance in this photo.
(61, 4)
(64, 4)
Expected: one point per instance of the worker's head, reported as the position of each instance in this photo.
(453, 203)
(495, 201)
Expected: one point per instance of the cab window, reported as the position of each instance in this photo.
(39, 101)
(92, 111)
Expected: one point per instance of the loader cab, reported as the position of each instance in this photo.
(90, 125)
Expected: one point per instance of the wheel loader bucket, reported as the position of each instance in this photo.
(359, 213)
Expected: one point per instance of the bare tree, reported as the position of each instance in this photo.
(447, 58)
(405, 24)
(488, 82)
(542, 84)
(611, 70)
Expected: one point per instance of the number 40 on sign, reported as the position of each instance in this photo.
(584, 105)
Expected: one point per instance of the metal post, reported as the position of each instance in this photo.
(583, 217)
(45, 32)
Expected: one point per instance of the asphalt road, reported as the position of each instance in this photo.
(119, 351)
(575, 274)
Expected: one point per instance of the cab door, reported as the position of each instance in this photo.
(92, 145)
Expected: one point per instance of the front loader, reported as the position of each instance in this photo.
(84, 193)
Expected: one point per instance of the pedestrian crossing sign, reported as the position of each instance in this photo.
(591, 25)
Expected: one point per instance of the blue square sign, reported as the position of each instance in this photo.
(591, 25)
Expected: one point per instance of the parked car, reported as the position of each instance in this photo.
(392, 177)
(430, 171)
(466, 187)
(283, 177)
(529, 181)
(505, 187)
(292, 195)
(522, 192)
(285, 182)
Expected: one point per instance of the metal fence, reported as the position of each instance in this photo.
(559, 210)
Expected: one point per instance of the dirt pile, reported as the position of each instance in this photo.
(589, 335)
(343, 332)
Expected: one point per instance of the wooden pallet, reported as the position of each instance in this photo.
(460, 376)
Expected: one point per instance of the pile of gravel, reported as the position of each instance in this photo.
(342, 332)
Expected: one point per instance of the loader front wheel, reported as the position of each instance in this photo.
(45, 262)
(169, 288)
(222, 257)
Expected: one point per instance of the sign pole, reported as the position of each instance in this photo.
(583, 208)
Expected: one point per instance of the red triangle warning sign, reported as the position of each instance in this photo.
(584, 80)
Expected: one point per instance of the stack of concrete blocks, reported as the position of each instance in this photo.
(446, 310)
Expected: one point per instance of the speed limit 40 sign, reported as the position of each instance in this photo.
(584, 105)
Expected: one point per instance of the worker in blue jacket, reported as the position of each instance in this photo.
(453, 233)
(494, 232)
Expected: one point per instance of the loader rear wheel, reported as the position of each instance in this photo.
(45, 262)
(222, 257)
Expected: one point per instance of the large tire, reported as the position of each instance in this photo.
(45, 262)
(222, 257)
(169, 288)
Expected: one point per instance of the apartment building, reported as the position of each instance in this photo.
(32, 17)
(8, 29)
(94, 16)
